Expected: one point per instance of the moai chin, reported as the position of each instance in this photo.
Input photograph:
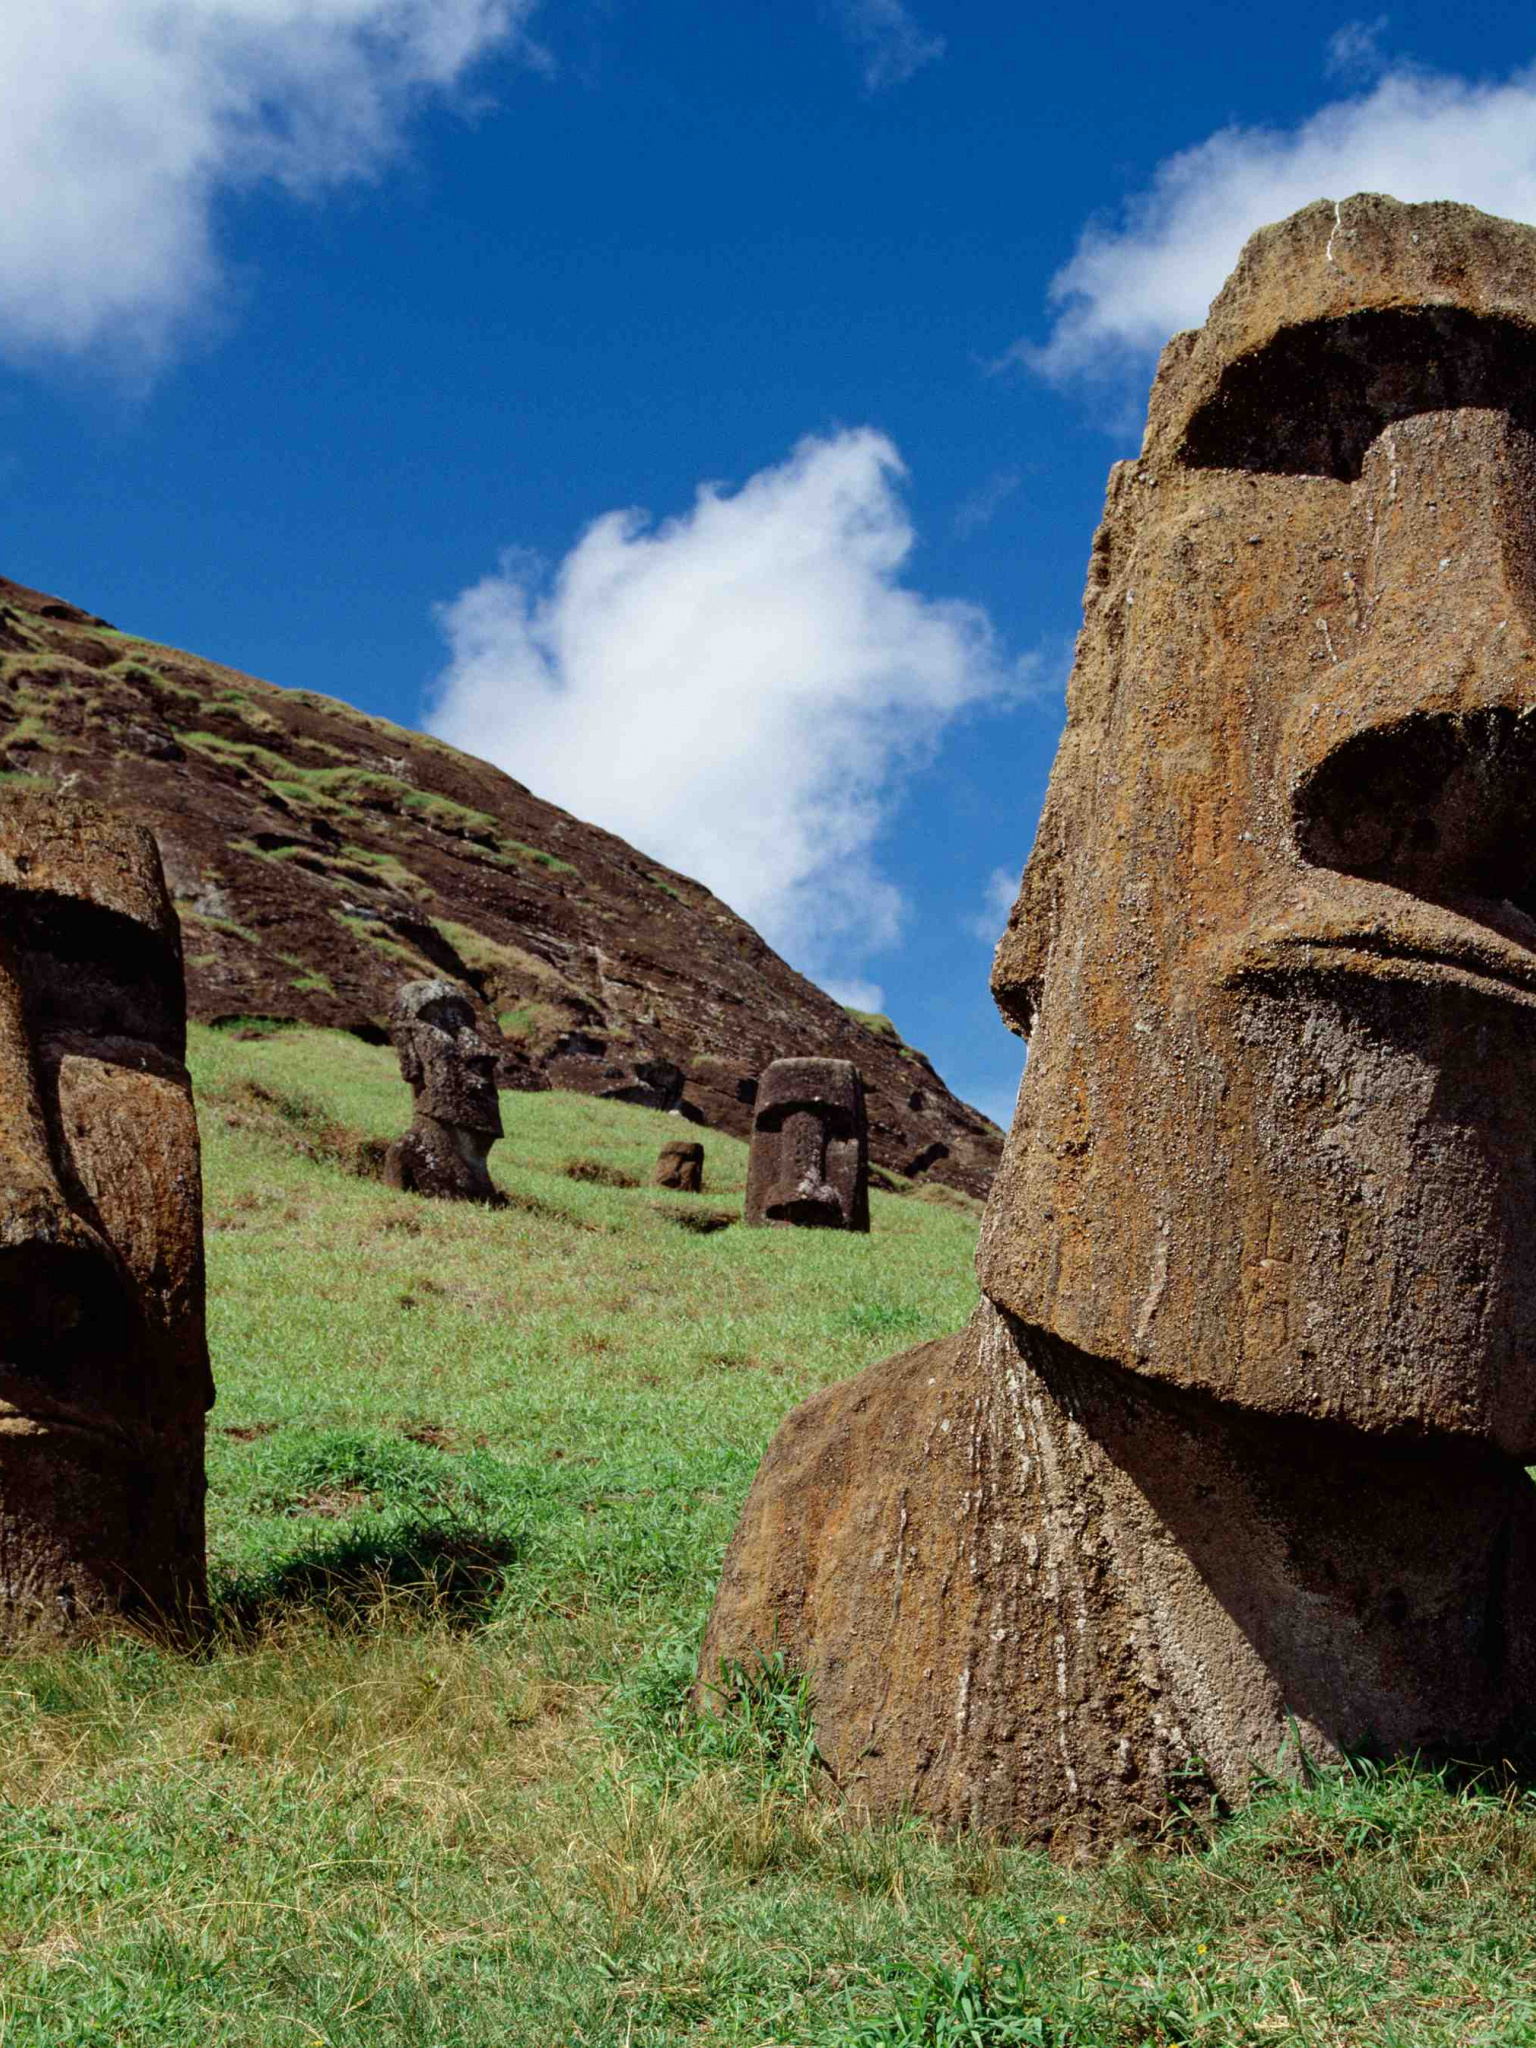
(1231, 1456)
(680, 1164)
(809, 1162)
(104, 1378)
(452, 1077)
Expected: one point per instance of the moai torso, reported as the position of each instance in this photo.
(104, 1374)
(452, 1078)
(809, 1163)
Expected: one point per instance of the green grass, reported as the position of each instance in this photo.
(435, 1783)
(539, 857)
(874, 1021)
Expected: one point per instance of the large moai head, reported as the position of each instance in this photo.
(104, 1375)
(1275, 947)
(452, 1077)
(809, 1162)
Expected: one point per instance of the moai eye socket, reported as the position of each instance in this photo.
(1312, 399)
(88, 972)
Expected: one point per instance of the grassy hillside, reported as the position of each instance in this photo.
(433, 1786)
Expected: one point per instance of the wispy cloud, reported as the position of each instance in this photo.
(987, 924)
(1416, 134)
(1354, 51)
(982, 506)
(122, 123)
(890, 42)
(742, 690)
(868, 996)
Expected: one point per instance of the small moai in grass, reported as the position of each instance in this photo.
(1229, 1467)
(809, 1162)
(680, 1164)
(104, 1377)
(452, 1077)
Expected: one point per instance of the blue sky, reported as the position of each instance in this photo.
(703, 410)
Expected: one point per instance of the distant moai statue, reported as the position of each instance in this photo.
(680, 1164)
(452, 1076)
(809, 1162)
(104, 1380)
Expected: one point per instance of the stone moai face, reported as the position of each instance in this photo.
(680, 1164)
(451, 1072)
(1275, 947)
(452, 1075)
(104, 1374)
(809, 1162)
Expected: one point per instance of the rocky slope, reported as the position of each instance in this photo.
(318, 857)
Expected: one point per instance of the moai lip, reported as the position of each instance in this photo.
(452, 1077)
(104, 1376)
(1231, 1455)
(809, 1162)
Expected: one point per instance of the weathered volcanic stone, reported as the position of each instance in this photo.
(680, 1164)
(1233, 1448)
(452, 1076)
(809, 1162)
(104, 1375)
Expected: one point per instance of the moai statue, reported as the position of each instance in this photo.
(1230, 1459)
(680, 1164)
(809, 1162)
(452, 1076)
(104, 1376)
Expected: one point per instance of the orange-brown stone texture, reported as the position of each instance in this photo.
(104, 1375)
(1232, 1452)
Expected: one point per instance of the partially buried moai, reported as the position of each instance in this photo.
(809, 1162)
(452, 1077)
(680, 1164)
(104, 1378)
(1230, 1459)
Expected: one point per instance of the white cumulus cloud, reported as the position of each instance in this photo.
(1416, 135)
(867, 996)
(1354, 51)
(123, 121)
(891, 43)
(740, 690)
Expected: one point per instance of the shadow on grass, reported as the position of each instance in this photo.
(452, 1570)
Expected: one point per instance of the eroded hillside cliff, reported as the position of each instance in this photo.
(319, 857)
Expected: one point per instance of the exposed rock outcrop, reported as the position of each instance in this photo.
(1231, 1457)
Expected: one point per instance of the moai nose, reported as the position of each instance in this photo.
(802, 1193)
(61, 1290)
(1414, 759)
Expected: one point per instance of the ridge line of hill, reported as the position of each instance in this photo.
(318, 856)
